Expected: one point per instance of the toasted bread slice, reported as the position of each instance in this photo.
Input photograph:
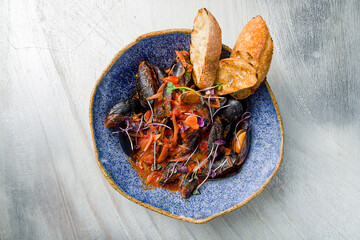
(205, 48)
(236, 76)
(254, 46)
(255, 40)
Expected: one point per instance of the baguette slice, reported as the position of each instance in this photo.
(236, 76)
(255, 40)
(205, 48)
(255, 46)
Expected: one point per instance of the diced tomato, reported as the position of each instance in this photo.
(147, 115)
(173, 79)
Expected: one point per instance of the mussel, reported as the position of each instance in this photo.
(122, 109)
(125, 143)
(233, 112)
(216, 133)
(179, 70)
(187, 185)
(160, 75)
(169, 173)
(225, 165)
(147, 84)
(190, 97)
(240, 143)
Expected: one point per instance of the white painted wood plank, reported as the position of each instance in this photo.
(52, 53)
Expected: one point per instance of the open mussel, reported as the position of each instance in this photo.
(240, 143)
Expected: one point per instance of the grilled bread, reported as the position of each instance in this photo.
(205, 49)
(255, 46)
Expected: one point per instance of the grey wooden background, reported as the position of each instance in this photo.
(52, 53)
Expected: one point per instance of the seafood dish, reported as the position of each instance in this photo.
(177, 136)
(189, 123)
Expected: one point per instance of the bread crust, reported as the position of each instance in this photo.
(205, 59)
(255, 40)
(236, 76)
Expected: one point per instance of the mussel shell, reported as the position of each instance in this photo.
(160, 75)
(125, 143)
(244, 148)
(190, 140)
(187, 185)
(189, 97)
(166, 176)
(147, 84)
(122, 109)
(233, 112)
(178, 69)
(225, 165)
(216, 133)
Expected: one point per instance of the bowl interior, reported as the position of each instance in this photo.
(217, 197)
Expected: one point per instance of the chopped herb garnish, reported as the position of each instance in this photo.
(171, 87)
(196, 192)
(218, 85)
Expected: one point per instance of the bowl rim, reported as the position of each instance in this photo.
(118, 189)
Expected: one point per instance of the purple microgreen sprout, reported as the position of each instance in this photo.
(126, 130)
(200, 122)
(159, 124)
(155, 166)
(217, 110)
(171, 87)
(182, 169)
(244, 118)
(152, 112)
(210, 92)
(184, 129)
(217, 143)
(197, 167)
(208, 104)
(221, 165)
(187, 160)
(206, 89)
(127, 119)
(173, 170)
(137, 131)
(131, 144)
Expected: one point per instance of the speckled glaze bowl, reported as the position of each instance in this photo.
(217, 197)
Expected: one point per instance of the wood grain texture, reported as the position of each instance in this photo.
(52, 53)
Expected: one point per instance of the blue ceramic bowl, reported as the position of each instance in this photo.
(217, 197)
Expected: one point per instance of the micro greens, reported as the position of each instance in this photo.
(217, 110)
(244, 118)
(217, 143)
(222, 164)
(152, 112)
(137, 131)
(131, 144)
(187, 160)
(171, 87)
(159, 124)
(155, 166)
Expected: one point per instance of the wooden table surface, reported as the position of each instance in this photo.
(53, 52)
